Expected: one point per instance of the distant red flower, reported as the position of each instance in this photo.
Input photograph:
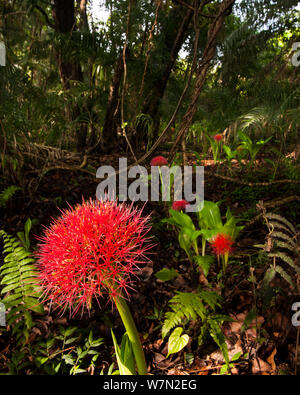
(218, 137)
(93, 249)
(222, 244)
(159, 161)
(179, 205)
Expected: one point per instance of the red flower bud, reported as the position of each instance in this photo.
(218, 137)
(179, 205)
(159, 161)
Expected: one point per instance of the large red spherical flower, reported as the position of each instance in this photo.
(159, 161)
(222, 244)
(179, 205)
(93, 249)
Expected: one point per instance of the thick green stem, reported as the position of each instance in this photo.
(132, 334)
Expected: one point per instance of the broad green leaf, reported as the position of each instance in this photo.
(127, 354)
(182, 219)
(177, 341)
(123, 369)
(210, 214)
(166, 274)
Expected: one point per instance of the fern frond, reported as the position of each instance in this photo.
(284, 275)
(7, 194)
(189, 306)
(281, 219)
(19, 285)
(278, 225)
(286, 259)
(285, 245)
(285, 237)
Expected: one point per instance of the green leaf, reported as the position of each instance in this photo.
(249, 318)
(69, 360)
(33, 304)
(219, 338)
(185, 240)
(177, 341)
(124, 370)
(71, 340)
(127, 354)
(204, 262)
(182, 219)
(69, 331)
(27, 227)
(236, 356)
(210, 215)
(10, 278)
(166, 274)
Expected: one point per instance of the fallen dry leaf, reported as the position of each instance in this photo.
(260, 366)
(270, 359)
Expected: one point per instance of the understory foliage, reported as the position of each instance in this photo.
(19, 286)
(281, 248)
(200, 306)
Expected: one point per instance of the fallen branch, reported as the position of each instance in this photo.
(252, 184)
(274, 204)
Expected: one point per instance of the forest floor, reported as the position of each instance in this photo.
(266, 346)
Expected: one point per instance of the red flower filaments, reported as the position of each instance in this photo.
(218, 137)
(92, 250)
(222, 247)
(159, 161)
(179, 205)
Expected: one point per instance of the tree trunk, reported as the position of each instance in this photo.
(64, 18)
(175, 34)
(112, 122)
(225, 9)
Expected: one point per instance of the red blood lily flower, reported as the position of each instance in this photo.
(222, 245)
(159, 161)
(91, 250)
(218, 137)
(179, 205)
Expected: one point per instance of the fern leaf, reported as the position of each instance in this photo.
(285, 245)
(20, 288)
(281, 219)
(286, 259)
(7, 194)
(278, 225)
(283, 236)
(284, 275)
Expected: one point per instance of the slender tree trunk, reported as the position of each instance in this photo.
(64, 18)
(175, 33)
(112, 122)
(225, 9)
